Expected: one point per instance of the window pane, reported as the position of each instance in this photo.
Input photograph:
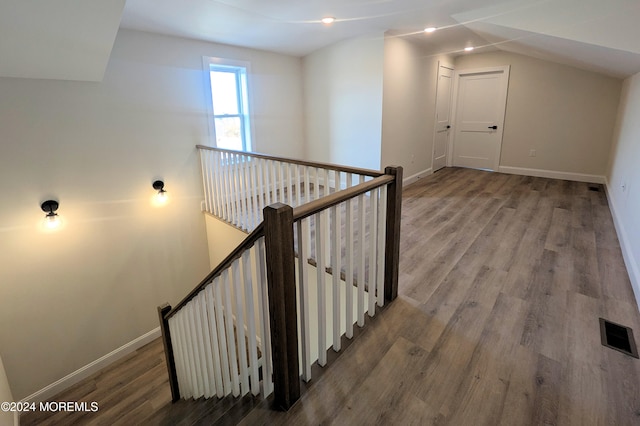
(229, 133)
(224, 92)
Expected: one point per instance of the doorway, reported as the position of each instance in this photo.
(480, 97)
(443, 116)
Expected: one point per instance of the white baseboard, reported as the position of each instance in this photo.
(553, 174)
(416, 177)
(627, 254)
(84, 372)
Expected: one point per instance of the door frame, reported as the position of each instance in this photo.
(505, 69)
(448, 65)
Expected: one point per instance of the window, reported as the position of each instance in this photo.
(229, 123)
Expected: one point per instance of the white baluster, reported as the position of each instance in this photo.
(202, 345)
(261, 187)
(281, 171)
(213, 356)
(349, 259)
(230, 189)
(267, 367)
(231, 339)
(205, 178)
(361, 257)
(316, 184)
(178, 354)
(193, 331)
(382, 222)
(240, 312)
(298, 183)
(322, 308)
(193, 370)
(275, 165)
(244, 194)
(336, 268)
(238, 220)
(222, 336)
(251, 322)
(302, 227)
(373, 243)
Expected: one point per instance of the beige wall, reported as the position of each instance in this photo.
(567, 115)
(408, 111)
(624, 178)
(343, 102)
(222, 239)
(73, 296)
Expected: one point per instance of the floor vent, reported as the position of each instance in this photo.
(594, 188)
(618, 337)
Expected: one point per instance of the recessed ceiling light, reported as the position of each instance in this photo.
(468, 49)
(328, 20)
(430, 29)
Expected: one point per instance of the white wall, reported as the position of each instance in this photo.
(72, 296)
(566, 114)
(408, 112)
(343, 102)
(624, 178)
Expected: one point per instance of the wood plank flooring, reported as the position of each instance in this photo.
(502, 281)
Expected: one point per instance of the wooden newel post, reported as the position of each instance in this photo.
(392, 243)
(278, 230)
(168, 351)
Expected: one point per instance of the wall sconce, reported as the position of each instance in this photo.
(161, 196)
(51, 220)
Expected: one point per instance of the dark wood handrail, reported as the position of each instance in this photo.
(299, 213)
(246, 244)
(315, 206)
(338, 168)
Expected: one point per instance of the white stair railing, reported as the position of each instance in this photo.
(239, 185)
(240, 324)
(349, 281)
(220, 334)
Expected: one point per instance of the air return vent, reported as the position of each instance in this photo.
(618, 337)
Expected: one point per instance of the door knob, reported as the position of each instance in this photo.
(493, 127)
(448, 127)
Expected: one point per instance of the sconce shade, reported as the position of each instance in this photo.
(50, 207)
(158, 185)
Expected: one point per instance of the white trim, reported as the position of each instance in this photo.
(553, 174)
(93, 367)
(416, 177)
(633, 270)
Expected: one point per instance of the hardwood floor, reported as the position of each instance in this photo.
(502, 281)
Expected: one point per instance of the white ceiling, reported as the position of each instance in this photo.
(72, 39)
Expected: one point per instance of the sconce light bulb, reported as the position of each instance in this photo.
(52, 221)
(161, 197)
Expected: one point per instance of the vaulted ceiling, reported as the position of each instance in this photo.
(72, 39)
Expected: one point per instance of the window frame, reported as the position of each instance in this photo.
(242, 69)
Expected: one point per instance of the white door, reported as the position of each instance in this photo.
(443, 116)
(480, 103)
